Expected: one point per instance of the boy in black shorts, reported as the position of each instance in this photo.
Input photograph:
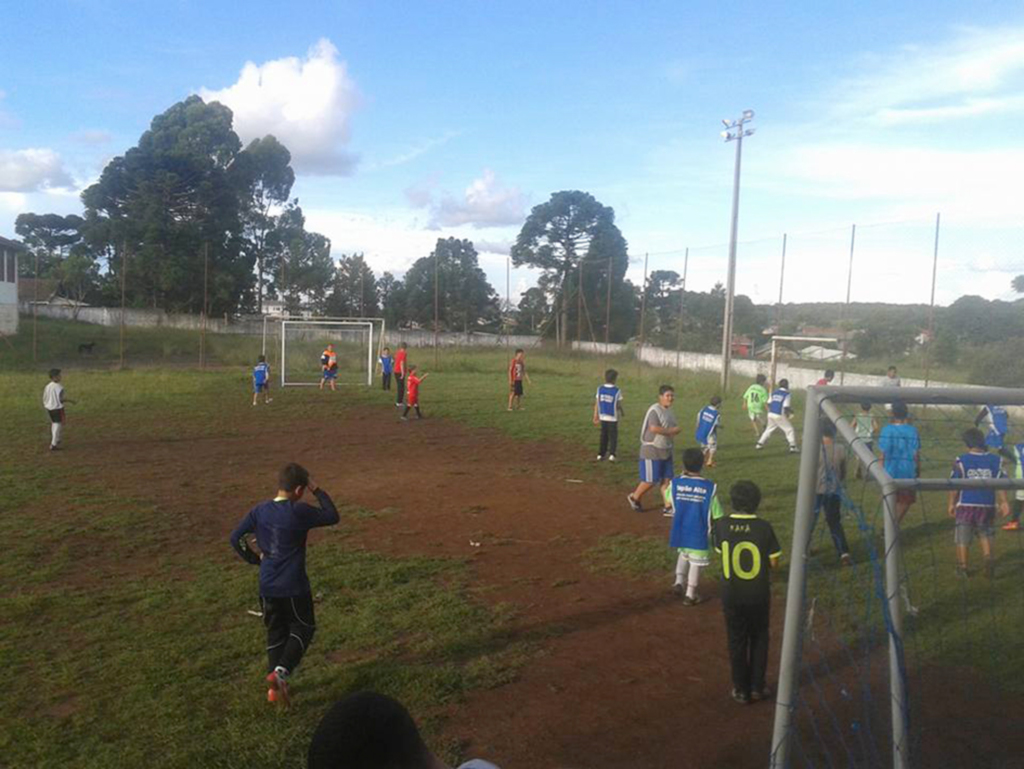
(749, 550)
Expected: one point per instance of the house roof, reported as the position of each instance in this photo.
(12, 244)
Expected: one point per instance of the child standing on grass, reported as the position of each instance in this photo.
(607, 413)
(516, 375)
(755, 400)
(900, 445)
(831, 475)
(865, 425)
(974, 509)
(412, 394)
(749, 550)
(386, 364)
(281, 526)
(694, 504)
(1016, 458)
(329, 368)
(53, 401)
(261, 380)
(400, 372)
(657, 432)
(708, 422)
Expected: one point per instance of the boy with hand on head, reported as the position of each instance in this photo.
(656, 433)
(261, 380)
(749, 550)
(413, 394)
(779, 413)
(694, 503)
(975, 509)
(607, 413)
(386, 365)
(53, 401)
(516, 375)
(755, 400)
(708, 422)
(281, 526)
(900, 445)
(329, 367)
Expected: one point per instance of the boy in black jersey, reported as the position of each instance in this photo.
(749, 550)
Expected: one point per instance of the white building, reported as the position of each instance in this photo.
(9, 285)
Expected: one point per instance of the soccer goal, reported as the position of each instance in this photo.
(303, 342)
(891, 652)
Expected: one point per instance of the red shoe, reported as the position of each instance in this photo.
(1011, 526)
(278, 691)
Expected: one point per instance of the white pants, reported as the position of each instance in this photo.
(778, 422)
(56, 429)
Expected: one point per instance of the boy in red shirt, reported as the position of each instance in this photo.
(400, 374)
(516, 374)
(412, 400)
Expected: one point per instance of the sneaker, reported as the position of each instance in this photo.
(794, 450)
(637, 507)
(679, 590)
(404, 419)
(687, 601)
(611, 457)
(278, 688)
(668, 512)
(599, 457)
(764, 693)
(846, 559)
(1011, 526)
(54, 448)
(758, 446)
(270, 400)
(740, 697)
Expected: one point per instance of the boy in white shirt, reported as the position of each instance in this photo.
(53, 401)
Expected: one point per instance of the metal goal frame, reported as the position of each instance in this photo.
(364, 323)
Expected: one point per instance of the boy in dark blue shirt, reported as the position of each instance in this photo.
(974, 509)
(281, 526)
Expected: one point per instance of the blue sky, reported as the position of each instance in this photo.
(455, 118)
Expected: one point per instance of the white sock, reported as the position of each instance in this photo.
(692, 580)
(682, 564)
(282, 673)
(55, 429)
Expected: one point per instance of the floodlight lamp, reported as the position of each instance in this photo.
(748, 114)
(727, 123)
(749, 131)
(726, 135)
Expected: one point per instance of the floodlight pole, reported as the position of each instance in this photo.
(730, 288)
(931, 306)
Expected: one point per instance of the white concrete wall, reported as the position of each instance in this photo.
(8, 295)
(422, 338)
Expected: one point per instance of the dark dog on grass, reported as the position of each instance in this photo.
(86, 349)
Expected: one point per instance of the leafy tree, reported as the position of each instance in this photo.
(464, 295)
(264, 177)
(391, 295)
(354, 293)
(1018, 284)
(570, 227)
(533, 309)
(49, 237)
(306, 269)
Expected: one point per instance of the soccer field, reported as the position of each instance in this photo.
(486, 572)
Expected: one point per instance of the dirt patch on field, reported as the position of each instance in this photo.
(623, 675)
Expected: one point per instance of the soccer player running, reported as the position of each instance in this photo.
(401, 365)
(900, 445)
(708, 423)
(694, 504)
(281, 526)
(53, 401)
(755, 400)
(974, 509)
(261, 380)
(329, 368)
(749, 550)
(656, 433)
(516, 375)
(779, 413)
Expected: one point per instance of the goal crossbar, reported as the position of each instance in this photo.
(360, 323)
(821, 402)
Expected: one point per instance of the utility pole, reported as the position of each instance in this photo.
(206, 303)
(508, 301)
(734, 131)
(931, 307)
(643, 317)
(845, 309)
(124, 275)
(608, 307)
(35, 307)
(782, 280)
(437, 256)
(682, 303)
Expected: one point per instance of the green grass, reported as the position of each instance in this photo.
(129, 666)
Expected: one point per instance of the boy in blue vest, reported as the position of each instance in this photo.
(997, 424)
(694, 503)
(708, 422)
(1015, 455)
(975, 509)
(281, 526)
(261, 380)
(607, 413)
(779, 412)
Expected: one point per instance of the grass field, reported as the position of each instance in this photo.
(126, 624)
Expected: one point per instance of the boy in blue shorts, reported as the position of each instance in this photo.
(974, 509)
(656, 433)
(694, 503)
(900, 445)
(708, 422)
(607, 413)
(261, 380)
(281, 526)
(329, 368)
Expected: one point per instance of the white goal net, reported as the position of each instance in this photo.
(303, 343)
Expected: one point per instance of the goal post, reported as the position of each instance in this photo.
(951, 407)
(303, 342)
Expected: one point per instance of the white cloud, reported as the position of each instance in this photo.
(31, 169)
(493, 247)
(92, 136)
(415, 151)
(306, 103)
(485, 203)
